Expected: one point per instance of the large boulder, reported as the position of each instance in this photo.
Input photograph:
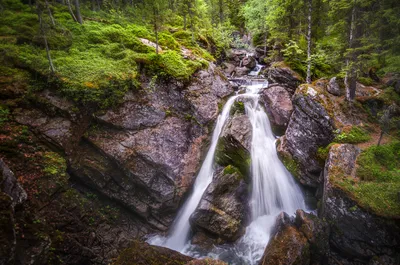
(334, 87)
(235, 56)
(356, 234)
(278, 104)
(249, 62)
(310, 127)
(234, 144)
(222, 211)
(287, 244)
(283, 76)
(241, 71)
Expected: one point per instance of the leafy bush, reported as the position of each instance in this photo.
(4, 112)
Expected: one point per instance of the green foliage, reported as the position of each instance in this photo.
(4, 112)
(380, 163)
(355, 135)
(390, 96)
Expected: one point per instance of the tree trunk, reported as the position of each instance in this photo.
(42, 31)
(221, 11)
(308, 79)
(184, 22)
(78, 12)
(53, 22)
(71, 11)
(155, 17)
(351, 78)
(380, 138)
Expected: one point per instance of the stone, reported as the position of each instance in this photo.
(310, 127)
(10, 186)
(228, 68)
(234, 144)
(241, 71)
(279, 107)
(355, 232)
(249, 62)
(283, 76)
(287, 244)
(334, 87)
(222, 210)
(7, 231)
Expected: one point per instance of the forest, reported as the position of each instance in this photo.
(189, 132)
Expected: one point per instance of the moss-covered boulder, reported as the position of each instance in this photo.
(222, 211)
(234, 144)
(356, 231)
(141, 253)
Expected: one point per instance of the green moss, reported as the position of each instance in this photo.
(230, 154)
(366, 81)
(323, 152)
(390, 96)
(380, 163)
(4, 112)
(291, 165)
(238, 107)
(355, 135)
(379, 180)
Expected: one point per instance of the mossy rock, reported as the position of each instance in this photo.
(232, 153)
(141, 253)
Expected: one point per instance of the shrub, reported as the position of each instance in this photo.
(354, 135)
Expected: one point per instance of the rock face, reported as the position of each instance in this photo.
(10, 186)
(249, 62)
(333, 87)
(279, 107)
(310, 127)
(143, 153)
(355, 233)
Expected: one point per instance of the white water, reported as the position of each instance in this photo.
(273, 190)
(256, 70)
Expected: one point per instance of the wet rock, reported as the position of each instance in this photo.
(10, 186)
(242, 71)
(316, 231)
(310, 127)
(283, 76)
(334, 87)
(204, 93)
(234, 144)
(228, 68)
(279, 107)
(287, 244)
(235, 56)
(356, 234)
(249, 62)
(222, 210)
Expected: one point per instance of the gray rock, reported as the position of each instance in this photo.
(333, 87)
(283, 76)
(355, 233)
(242, 71)
(234, 144)
(222, 210)
(310, 127)
(10, 185)
(279, 107)
(287, 244)
(249, 62)
(228, 68)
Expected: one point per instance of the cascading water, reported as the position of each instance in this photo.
(273, 190)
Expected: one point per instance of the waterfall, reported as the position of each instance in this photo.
(273, 190)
